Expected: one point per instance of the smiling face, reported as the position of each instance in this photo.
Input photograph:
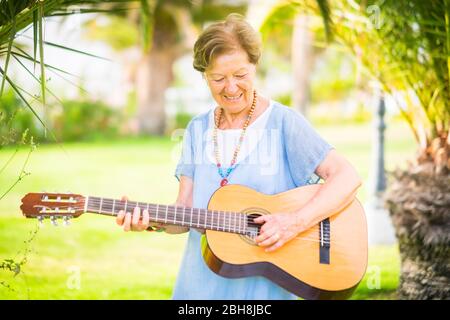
(230, 78)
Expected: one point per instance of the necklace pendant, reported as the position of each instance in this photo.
(223, 182)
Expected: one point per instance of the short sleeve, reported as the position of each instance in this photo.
(186, 165)
(305, 148)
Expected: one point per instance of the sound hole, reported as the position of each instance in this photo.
(253, 228)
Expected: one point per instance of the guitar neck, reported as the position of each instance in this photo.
(234, 222)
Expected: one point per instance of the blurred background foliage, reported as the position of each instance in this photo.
(330, 60)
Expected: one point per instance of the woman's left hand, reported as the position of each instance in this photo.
(277, 230)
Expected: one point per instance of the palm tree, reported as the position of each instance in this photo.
(18, 15)
(168, 29)
(405, 46)
(288, 25)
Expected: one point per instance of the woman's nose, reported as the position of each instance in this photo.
(231, 86)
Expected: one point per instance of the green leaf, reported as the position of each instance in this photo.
(35, 36)
(8, 55)
(73, 50)
(41, 50)
(17, 90)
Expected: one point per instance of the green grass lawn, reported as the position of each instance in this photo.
(94, 259)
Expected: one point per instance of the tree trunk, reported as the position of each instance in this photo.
(419, 204)
(302, 63)
(154, 75)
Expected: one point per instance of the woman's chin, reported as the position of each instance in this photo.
(233, 106)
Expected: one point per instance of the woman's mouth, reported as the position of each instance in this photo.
(234, 97)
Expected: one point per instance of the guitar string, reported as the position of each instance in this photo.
(172, 212)
(175, 212)
(297, 238)
(230, 222)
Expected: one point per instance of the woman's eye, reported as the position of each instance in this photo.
(218, 80)
(240, 76)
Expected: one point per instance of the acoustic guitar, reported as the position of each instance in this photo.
(325, 262)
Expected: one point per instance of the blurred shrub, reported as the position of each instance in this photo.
(15, 119)
(70, 120)
(331, 89)
(332, 114)
(285, 99)
(85, 120)
(182, 119)
(359, 116)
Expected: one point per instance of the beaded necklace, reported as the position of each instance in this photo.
(225, 175)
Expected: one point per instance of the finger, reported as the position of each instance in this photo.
(261, 219)
(127, 222)
(136, 218)
(265, 235)
(145, 219)
(267, 226)
(124, 198)
(275, 246)
(270, 240)
(120, 217)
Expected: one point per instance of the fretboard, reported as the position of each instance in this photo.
(235, 222)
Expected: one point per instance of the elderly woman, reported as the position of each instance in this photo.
(250, 140)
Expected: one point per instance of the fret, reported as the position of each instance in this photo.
(245, 222)
(218, 220)
(125, 208)
(165, 219)
(101, 203)
(114, 204)
(206, 218)
(198, 217)
(240, 218)
(86, 204)
(224, 224)
(192, 213)
(224, 221)
(175, 214)
(234, 226)
(184, 212)
(157, 209)
(227, 217)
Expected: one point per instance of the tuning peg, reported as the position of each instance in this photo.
(66, 221)
(53, 220)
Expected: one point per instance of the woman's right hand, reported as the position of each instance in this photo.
(135, 221)
(138, 222)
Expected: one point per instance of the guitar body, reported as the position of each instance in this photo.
(303, 265)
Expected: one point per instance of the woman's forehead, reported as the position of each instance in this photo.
(229, 63)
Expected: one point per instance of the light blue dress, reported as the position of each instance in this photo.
(284, 158)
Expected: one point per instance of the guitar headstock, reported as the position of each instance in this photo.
(53, 206)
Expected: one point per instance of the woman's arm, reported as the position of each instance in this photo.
(338, 190)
